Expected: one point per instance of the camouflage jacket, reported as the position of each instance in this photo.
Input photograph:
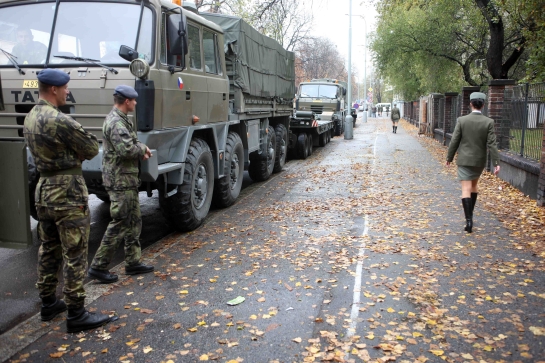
(121, 152)
(57, 142)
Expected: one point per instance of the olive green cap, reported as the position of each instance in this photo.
(477, 96)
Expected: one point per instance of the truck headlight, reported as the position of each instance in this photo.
(139, 68)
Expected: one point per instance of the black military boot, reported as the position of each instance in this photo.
(393, 129)
(51, 307)
(139, 268)
(468, 211)
(80, 319)
(474, 201)
(103, 276)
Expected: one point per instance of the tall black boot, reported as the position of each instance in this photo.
(395, 129)
(468, 211)
(474, 201)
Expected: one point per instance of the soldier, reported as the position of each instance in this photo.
(58, 145)
(471, 137)
(27, 50)
(395, 116)
(121, 152)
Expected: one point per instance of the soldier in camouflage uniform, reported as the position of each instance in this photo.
(27, 50)
(58, 145)
(121, 153)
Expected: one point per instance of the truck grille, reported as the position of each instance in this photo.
(318, 109)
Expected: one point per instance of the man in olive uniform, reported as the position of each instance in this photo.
(58, 145)
(27, 50)
(395, 116)
(473, 134)
(121, 152)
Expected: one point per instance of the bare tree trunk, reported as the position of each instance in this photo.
(494, 56)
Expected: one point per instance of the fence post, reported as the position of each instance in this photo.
(541, 181)
(496, 88)
(524, 119)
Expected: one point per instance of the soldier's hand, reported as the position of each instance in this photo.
(147, 155)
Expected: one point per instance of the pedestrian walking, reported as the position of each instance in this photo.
(58, 145)
(380, 110)
(395, 116)
(471, 137)
(387, 110)
(374, 111)
(121, 152)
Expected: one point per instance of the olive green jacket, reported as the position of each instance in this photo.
(472, 135)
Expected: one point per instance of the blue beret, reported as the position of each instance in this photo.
(53, 77)
(125, 91)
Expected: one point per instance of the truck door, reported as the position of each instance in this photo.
(218, 87)
(14, 198)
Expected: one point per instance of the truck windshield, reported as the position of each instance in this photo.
(318, 91)
(84, 29)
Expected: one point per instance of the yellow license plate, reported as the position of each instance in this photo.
(30, 84)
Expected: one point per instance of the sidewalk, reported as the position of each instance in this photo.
(355, 254)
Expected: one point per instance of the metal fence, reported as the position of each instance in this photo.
(523, 116)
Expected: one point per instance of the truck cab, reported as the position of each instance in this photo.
(326, 98)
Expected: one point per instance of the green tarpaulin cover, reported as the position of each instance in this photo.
(261, 66)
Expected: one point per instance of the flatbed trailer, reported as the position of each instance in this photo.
(307, 132)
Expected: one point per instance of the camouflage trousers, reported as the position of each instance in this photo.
(64, 235)
(125, 225)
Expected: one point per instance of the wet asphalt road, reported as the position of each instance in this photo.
(18, 294)
(353, 254)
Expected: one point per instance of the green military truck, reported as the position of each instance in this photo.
(215, 99)
(326, 98)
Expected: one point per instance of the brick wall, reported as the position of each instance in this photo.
(496, 92)
(449, 112)
(466, 91)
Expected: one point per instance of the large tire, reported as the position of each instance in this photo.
(187, 209)
(262, 166)
(227, 189)
(310, 144)
(103, 196)
(337, 128)
(281, 147)
(302, 146)
(322, 139)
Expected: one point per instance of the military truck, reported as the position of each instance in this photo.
(326, 98)
(215, 99)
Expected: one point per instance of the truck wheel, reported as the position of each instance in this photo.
(322, 139)
(188, 208)
(105, 197)
(337, 128)
(310, 144)
(302, 147)
(281, 147)
(227, 189)
(262, 166)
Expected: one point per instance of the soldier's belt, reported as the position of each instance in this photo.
(71, 171)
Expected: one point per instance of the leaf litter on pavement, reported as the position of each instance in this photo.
(429, 291)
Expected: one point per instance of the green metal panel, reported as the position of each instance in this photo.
(14, 201)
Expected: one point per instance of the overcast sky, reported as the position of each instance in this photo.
(331, 21)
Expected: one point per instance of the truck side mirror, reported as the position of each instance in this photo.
(177, 34)
(344, 91)
(128, 53)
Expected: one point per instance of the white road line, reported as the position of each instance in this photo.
(351, 330)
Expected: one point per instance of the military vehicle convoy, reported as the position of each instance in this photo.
(215, 99)
(326, 99)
